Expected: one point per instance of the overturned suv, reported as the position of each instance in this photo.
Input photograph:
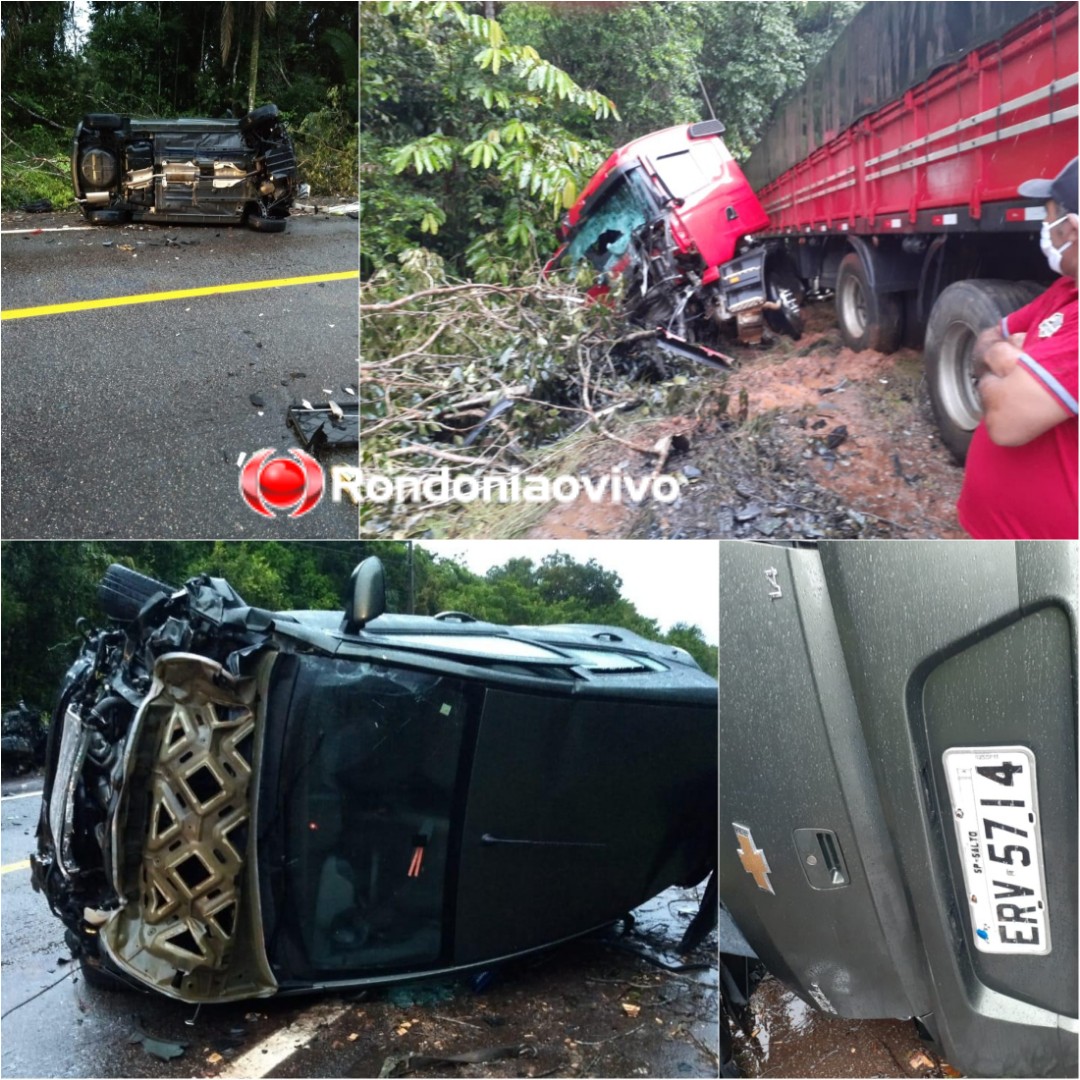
(241, 802)
(207, 172)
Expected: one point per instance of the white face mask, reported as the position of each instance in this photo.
(1053, 254)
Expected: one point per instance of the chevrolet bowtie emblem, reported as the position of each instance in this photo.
(753, 858)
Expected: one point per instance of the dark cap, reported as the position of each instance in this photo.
(1062, 189)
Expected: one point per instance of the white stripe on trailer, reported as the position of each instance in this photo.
(276, 1048)
(1056, 117)
(980, 118)
(818, 194)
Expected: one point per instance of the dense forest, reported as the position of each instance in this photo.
(481, 122)
(61, 60)
(47, 586)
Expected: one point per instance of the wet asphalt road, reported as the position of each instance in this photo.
(128, 422)
(593, 1007)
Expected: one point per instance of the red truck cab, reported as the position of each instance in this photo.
(673, 213)
(685, 173)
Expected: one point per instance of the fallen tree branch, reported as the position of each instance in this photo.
(393, 305)
(441, 455)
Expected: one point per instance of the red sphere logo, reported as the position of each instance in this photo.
(282, 483)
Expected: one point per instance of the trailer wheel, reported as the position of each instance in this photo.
(868, 319)
(783, 284)
(959, 315)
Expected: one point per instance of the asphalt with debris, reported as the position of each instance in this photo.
(129, 421)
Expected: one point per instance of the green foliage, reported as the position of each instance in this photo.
(458, 118)
(35, 166)
(327, 147)
(46, 586)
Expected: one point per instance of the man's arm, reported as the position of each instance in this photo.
(1016, 406)
(995, 353)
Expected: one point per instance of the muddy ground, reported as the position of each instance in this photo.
(791, 1039)
(803, 439)
(598, 1007)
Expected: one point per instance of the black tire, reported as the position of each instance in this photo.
(959, 315)
(867, 319)
(265, 225)
(96, 971)
(123, 593)
(782, 283)
(103, 121)
(260, 119)
(107, 217)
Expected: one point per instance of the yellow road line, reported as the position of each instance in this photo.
(24, 865)
(175, 294)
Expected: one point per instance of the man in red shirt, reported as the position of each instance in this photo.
(1020, 481)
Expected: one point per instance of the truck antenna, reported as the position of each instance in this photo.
(704, 94)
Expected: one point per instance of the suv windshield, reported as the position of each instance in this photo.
(369, 767)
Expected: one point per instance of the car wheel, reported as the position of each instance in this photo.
(961, 313)
(264, 224)
(103, 121)
(867, 319)
(123, 593)
(265, 116)
(107, 217)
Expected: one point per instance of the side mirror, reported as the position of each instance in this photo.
(367, 598)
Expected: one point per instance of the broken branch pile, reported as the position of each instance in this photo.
(483, 376)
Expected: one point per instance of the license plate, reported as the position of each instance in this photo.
(995, 807)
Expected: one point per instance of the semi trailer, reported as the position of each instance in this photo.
(888, 182)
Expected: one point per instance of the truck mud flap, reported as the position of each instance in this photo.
(859, 677)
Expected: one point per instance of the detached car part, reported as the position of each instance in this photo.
(898, 787)
(208, 172)
(240, 802)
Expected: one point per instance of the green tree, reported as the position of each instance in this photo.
(228, 28)
(478, 126)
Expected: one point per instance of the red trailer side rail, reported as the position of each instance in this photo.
(949, 154)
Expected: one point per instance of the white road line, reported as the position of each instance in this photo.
(61, 228)
(272, 1051)
(24, 795)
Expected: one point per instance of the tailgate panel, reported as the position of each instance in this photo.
(840, 698)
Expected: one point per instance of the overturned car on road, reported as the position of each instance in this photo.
(196, 171)
(241, 802)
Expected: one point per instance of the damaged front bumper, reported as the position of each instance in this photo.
(144, 843)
